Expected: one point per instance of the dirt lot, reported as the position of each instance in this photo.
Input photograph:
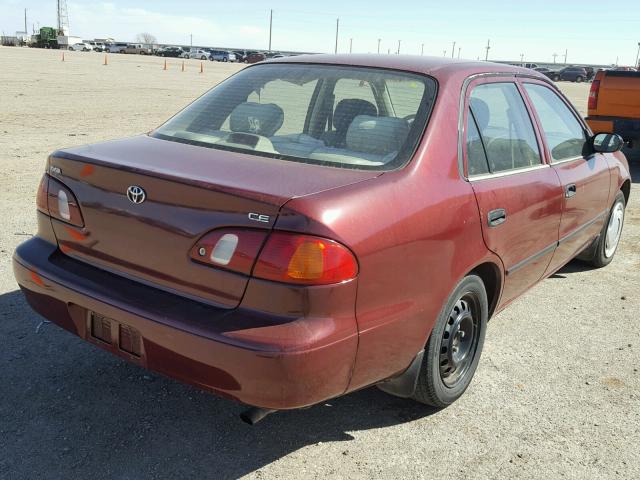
(557, 393)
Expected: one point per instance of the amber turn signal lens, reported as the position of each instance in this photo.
(305, 259)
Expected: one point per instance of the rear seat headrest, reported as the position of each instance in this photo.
(377, 135)
(258, 118)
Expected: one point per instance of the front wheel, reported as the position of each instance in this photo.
(579, 79)
(454, 347)
(607, 243)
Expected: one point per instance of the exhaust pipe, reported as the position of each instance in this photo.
(254, 414)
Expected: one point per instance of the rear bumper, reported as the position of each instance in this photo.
(627, 128)
(244, 354)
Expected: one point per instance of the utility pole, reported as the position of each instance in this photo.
(444, 53)
(521, 59)
(638, 56)
(270, 27)
(191, 40)
(554, 57)
(351, 45)
(453, 50)
(486, 56)
(26, 32)
(565, 55)
(379, 45)
(459, 48)
(422, 50)
(398, 52)
(337, 30)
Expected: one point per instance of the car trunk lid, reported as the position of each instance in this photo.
(190, 191)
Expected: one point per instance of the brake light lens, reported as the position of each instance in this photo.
(232, 249)
(62, 203)
(41, 197)
(305, 260)
(593, 95)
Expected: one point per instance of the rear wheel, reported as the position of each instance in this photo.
(579, 79)
(453, 349)
(609, 239)
(556, 78)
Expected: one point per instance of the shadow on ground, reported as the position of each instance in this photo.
(70, 410)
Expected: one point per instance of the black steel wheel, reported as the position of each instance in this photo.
(459, 340)
(454, 346)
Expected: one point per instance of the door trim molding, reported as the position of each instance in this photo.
(535, 256)
(554, 245)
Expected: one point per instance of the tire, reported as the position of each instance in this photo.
(70, 49)
(579, 79)
(607, 244)
(225, 60)
(556, 78)
(464, 315)
(203, 58)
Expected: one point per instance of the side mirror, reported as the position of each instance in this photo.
(607, 142)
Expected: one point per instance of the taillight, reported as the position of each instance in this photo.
(305, 260)
(41, 197)
(593, 95)
(62, 204)
(286, 257)
(232, 249)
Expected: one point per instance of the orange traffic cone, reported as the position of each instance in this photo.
(201, 67)
(165, 64)
(106, 62)
(183, 65)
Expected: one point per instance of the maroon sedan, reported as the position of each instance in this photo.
(315, 225)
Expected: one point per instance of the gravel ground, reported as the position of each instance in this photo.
(557, 393)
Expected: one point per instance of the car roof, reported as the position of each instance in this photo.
(435, 66)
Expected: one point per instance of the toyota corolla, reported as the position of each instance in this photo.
(318, 224)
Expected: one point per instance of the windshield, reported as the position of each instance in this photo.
(348, 117)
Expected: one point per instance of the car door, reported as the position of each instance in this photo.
(584, 175)
(519, 196)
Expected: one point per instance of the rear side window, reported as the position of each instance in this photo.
(505, 127)
(564, 135)
(348, 117)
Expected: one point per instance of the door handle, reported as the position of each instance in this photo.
(497, 217)
(570, 190)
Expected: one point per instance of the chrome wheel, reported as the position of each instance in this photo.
(459, 340)
(614, 230)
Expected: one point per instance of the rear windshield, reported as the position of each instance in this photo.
(348, 117)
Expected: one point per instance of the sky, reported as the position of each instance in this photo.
(589, 31)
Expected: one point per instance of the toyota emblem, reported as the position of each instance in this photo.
(136, 194)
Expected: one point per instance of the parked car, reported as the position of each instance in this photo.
(240, 55)
(80, 47)
(197, 53)
(573, 74)
(98, 46)
(614, 104)
(282, 263)
(547, 72)
(170, 52)
(222, 56)
(254, 57)
(117, 47)
(138, 49)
